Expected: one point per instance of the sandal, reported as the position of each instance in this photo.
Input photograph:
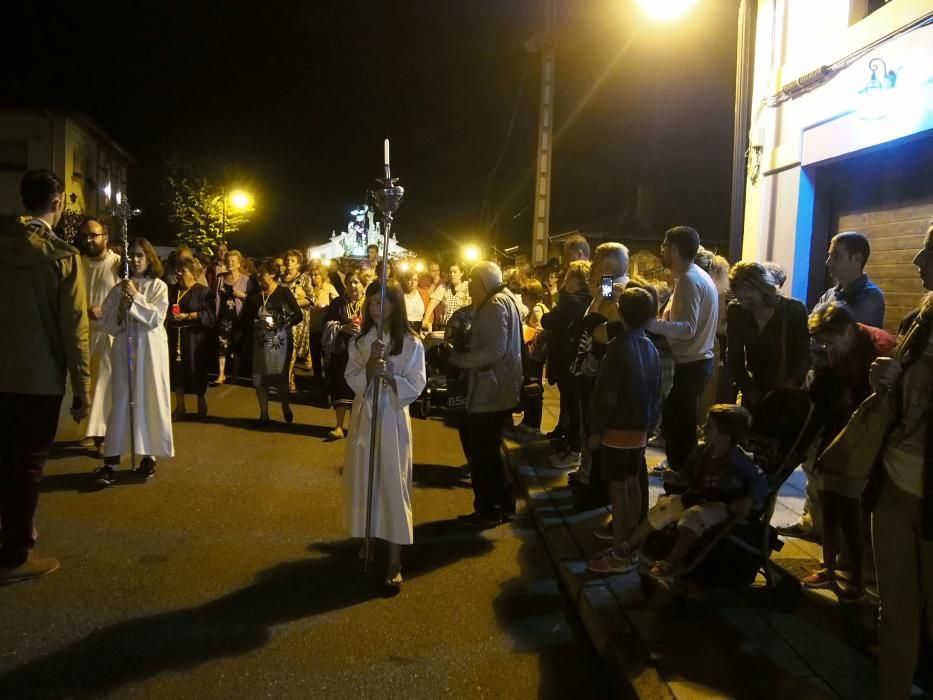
(394, 580)
(662, 570)
(611, 563)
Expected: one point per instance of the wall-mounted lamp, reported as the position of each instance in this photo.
(874, 96)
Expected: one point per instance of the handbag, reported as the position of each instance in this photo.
(853, 453)
(270, 348)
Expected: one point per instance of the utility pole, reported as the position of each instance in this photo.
(744, 73)
(540, 235)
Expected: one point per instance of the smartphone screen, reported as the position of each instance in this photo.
(606, 285)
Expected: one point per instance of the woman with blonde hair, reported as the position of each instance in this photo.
(768, 339)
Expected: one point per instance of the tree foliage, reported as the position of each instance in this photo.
(196, 209)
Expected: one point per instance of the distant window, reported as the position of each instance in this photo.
(77, 164)
(13, 156)
(860, 9)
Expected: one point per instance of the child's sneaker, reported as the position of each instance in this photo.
(821, 578)
(611, 563)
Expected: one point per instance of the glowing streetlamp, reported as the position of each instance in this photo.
(239, 200)
(419, 267)
(666, 10)
(471, 254)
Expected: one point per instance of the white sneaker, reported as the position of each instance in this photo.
(570, 460)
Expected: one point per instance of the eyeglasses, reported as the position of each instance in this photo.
(91, 236)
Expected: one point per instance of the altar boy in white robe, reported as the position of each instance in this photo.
(101, 274)
(141, 301)
(398, 358)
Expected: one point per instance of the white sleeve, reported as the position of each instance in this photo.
(150, 308)
(438, 294)
(355, 373)
(411, 382)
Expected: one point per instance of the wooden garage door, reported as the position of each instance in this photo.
(888, 196)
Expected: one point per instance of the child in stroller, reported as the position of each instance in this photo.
(719, 481)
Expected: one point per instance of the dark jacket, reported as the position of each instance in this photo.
(45, 333)
(736, 476)
(627, 393)
(558, 323)
(913, 352)
(770, 357)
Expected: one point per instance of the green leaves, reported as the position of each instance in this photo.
(195, 207)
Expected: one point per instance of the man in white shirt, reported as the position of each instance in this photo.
(689, 323)
(101, 274)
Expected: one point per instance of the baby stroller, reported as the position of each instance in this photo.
(446, 385)
(732, 554)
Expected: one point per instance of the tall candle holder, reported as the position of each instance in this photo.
(387, 199)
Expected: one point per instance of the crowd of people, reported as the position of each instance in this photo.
(637, 363)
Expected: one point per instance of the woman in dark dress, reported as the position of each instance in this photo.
(343, 321)
(271, 311)
(768, 340)
(233, 288)
(190, 318)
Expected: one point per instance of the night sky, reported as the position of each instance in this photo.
(292, 100)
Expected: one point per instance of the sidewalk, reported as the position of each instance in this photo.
(714, 645)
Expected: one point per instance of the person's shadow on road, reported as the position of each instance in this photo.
(235, 624)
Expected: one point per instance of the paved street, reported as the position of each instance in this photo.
(229, 576)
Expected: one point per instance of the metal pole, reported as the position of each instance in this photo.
(541, 218)
(745, 56)
(223, 215)
(387, 199)
(125, 212)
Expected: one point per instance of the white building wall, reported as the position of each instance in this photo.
(52, 143)
(793, 38)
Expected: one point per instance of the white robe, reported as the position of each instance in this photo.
(151, 392)
(391, 517)
(100, 276)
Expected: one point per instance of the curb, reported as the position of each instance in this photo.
(598, 601)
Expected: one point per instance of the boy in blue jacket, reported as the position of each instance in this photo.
(624, 407)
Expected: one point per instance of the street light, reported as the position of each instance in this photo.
(471, 254)
(239, 200)
(665, 10)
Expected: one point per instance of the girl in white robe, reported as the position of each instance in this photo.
(143, 301)
(398, 358)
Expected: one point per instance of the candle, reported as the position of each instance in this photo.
(385, 148)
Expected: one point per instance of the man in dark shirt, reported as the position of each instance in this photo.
(848, 254)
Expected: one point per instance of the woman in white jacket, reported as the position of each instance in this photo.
(139, 305)
(398, 360)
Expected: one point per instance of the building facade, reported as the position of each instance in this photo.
(841, 138)
(90, 163)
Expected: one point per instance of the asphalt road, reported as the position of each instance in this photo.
(229, 576)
